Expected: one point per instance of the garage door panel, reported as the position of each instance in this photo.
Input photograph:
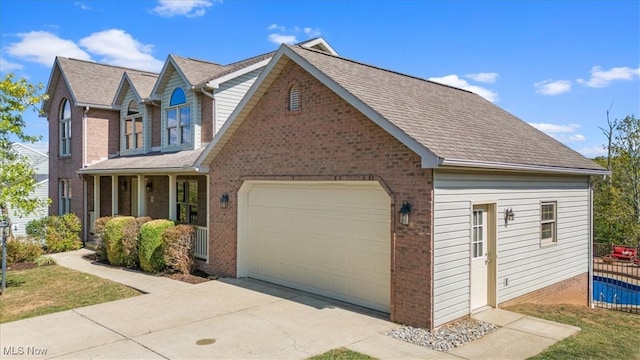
(322, 238)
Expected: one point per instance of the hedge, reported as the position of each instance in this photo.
(151, 249)
(115, 231)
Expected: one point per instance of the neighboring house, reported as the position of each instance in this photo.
(325, 157)
(40, 163)
(136, 136)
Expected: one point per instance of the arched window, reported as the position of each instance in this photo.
(294, 98)
(178, 119)
(65, 128)
(133, 138)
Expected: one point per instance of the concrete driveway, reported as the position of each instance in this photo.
(235, 319)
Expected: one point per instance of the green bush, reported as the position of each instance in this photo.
(98, 231)
(115, 231)
(179, 242)
(45, 261)
(21, 249)
(60, 233)
(151, 247)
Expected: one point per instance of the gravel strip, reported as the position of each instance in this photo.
(446, 337)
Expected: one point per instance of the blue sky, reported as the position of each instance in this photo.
(557, 65)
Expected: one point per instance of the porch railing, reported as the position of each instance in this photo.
(202, 243)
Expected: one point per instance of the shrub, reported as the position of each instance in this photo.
(178, 248)
(60, 233)
(21, 249)
(151, 247)
(117, 240)
(98, 231)
(45, 260)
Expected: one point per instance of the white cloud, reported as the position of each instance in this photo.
(552, 87)
(82, 5)
(282, 39)
(456, 81)
(8, 66)
(593, 151)
(602, 78)
(188, 8)
(483, 77)
(42, 47)
(563, 133)
(119, 48)
(283, 35)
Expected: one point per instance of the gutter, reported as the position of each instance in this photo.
(521, 167)
(122, 171)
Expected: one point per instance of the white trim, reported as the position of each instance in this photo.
(520, 167)
(134, 171)
(322, 42)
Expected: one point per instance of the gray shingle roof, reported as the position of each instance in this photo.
(452, 123)
(143, 82)
(197, 71)
(182, 160)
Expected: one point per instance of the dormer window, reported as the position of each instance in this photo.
(65, 128)
(294, 98)
(133, 138)
(178, 119)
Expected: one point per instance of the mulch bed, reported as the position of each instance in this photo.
(25, 265)
(196, 277)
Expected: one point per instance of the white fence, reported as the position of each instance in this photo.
(202, 243)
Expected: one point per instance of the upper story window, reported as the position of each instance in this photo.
(65, 128)
(548, 224)
(294, 98)
(133, 136)
(178, 119)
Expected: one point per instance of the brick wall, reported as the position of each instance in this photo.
(159, 207)
(206, 111)
(325, 139)
(156, 126)
(574, 291)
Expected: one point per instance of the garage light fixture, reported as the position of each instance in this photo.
(405, 210)
(224, 201)
(149, 186)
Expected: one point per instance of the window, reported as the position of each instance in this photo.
(187, 202)
(548, 223)
(178, 119)
(294, 98)
(133, 138)
(477, 241)
(65, 128)
(64, 196)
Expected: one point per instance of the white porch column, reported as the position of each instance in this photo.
(96, 196)
(142, 198)
(114, 195)
(173, 212)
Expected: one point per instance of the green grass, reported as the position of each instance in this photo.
(606, 334)
(50, 289)
(342, 354)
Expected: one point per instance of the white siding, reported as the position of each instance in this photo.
(229, 95)
(19, 223)
(194, 101)
(520, 257)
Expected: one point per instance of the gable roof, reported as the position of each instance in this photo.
(446, 126)
(141, 83)
(91, 84)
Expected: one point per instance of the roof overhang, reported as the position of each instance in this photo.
(137, 171)
(215, 83)
(485, 165)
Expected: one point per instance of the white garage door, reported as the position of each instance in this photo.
(327, 238)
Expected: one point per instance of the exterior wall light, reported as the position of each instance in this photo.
(149, 186)
(224, 201)
(509, 215)
(405, 210)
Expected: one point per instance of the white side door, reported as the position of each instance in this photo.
(479, 258)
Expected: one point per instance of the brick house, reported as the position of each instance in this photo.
(124, 141)
(395, 193)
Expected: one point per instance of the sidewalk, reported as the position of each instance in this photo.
(242, 319)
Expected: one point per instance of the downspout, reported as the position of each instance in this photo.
(590, 252)
(85, 206)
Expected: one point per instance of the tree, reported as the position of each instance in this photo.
(17, 175)
(617, 199)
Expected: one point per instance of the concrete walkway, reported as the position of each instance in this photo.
(240, 319)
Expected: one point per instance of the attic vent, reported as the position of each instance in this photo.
(294, 98)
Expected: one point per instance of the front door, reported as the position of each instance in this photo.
(479, 258)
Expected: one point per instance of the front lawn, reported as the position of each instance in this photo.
(606, 334)
(50, 289)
